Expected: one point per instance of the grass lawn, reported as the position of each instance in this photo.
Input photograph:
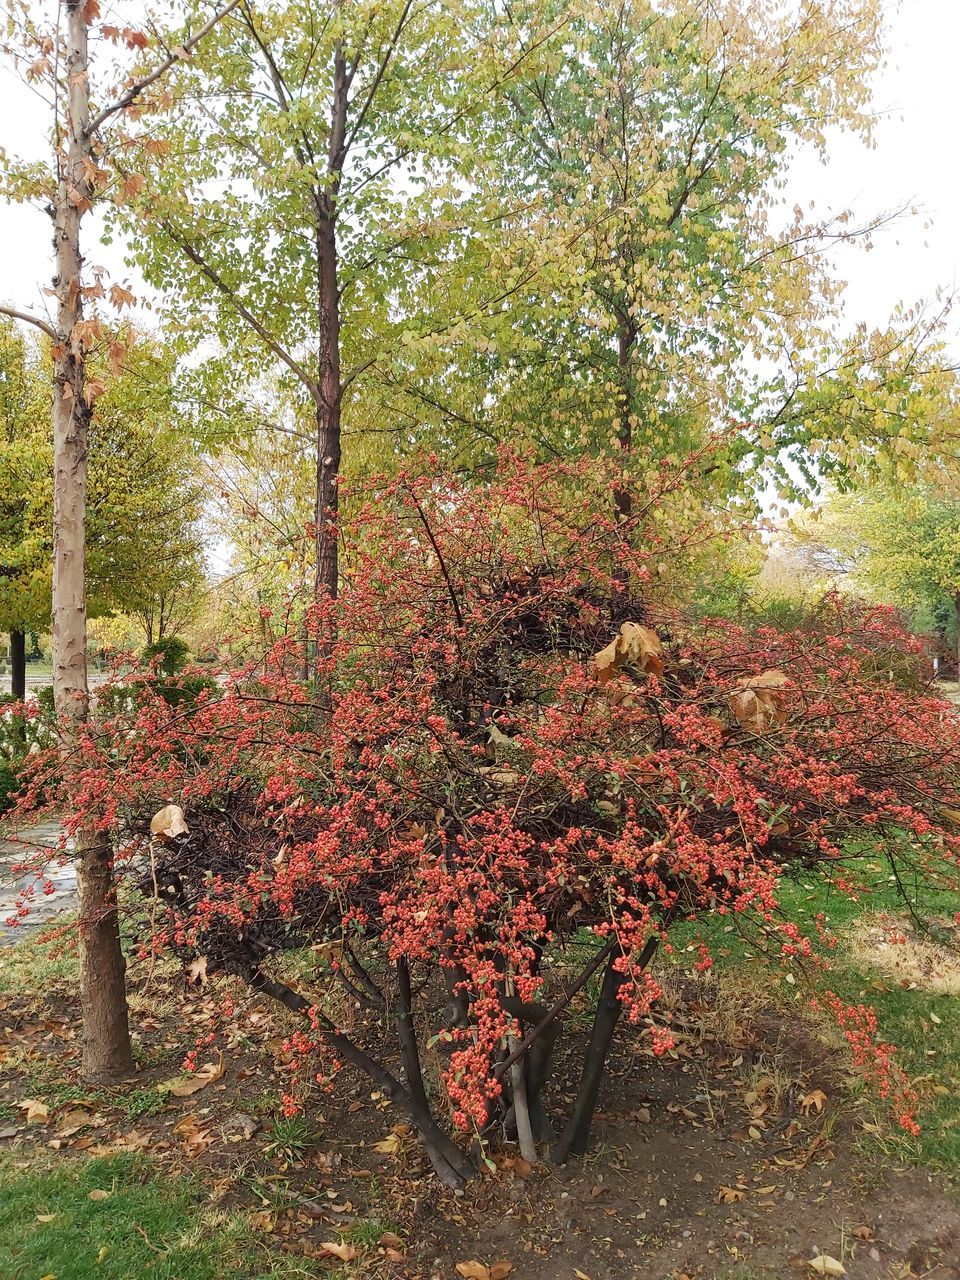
(111, 1218)
(923, 1023)
(233, 1207)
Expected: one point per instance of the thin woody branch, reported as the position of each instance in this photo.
(130, 95)
(37, 321)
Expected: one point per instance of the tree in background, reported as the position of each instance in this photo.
(25, 499)
(657, 291)
(894, 544)
(304, 168)
(144, 501)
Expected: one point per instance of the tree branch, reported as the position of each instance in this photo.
(139, 86)
(242, 310)
(14, 314)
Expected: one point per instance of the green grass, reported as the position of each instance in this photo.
(35, 967)
(291, 1137)
(928, 1051)
(143, 1226)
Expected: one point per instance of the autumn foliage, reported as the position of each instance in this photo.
(518, 767)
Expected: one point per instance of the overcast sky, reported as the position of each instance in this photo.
(914, 163)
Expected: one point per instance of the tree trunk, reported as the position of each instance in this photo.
(576, 1135)
(106, 1037)
(956, 615)
(626, 336)
(328, 412)
(18, 664)
(329, 388)
(574, 1139)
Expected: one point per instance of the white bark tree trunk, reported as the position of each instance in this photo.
(106, 1037)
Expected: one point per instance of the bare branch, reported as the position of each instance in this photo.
(14, 314)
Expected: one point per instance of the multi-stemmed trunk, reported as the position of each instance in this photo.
(106, 1037)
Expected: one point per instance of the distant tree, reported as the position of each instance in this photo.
(896, 545)
(25, 499)
(144, 539)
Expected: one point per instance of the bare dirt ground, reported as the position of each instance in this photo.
(743, 1157)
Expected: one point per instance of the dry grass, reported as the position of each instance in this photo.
(913, 960)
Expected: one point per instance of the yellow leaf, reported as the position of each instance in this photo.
(824, 1265)
(389, 1146)
(99, 1194)
(102, 1253)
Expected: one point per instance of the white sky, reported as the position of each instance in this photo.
(913, 163)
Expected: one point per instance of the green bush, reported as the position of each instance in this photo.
(171, 654)
(19, 735)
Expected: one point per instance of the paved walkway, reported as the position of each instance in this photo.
(44, 906)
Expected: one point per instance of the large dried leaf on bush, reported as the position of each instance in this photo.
(636, 644)
(169, 823)
(760, 702)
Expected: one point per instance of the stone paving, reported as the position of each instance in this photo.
(44, 906)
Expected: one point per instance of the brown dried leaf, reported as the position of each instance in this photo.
(760, 702)
(168, 823)
(188, 1085)
(813, 1102)
(35, 1112)
(472, 1271)
(339, 1249)
(824, 1265)
(730, 1195)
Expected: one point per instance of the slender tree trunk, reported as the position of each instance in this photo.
(626, 336)
(956, 616)
(452, 1166)
(328, 412)
(329, 388)
(18, 664)
(106, 1037)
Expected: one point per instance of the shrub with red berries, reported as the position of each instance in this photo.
(512, 749)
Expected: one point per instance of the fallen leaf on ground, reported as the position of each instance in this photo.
(185, 1086)
(99, 1194)
(813, 1102)
(339, 1249)
(824, 1265)
(730, 1195)
(479, 1270)
(36, 1112)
